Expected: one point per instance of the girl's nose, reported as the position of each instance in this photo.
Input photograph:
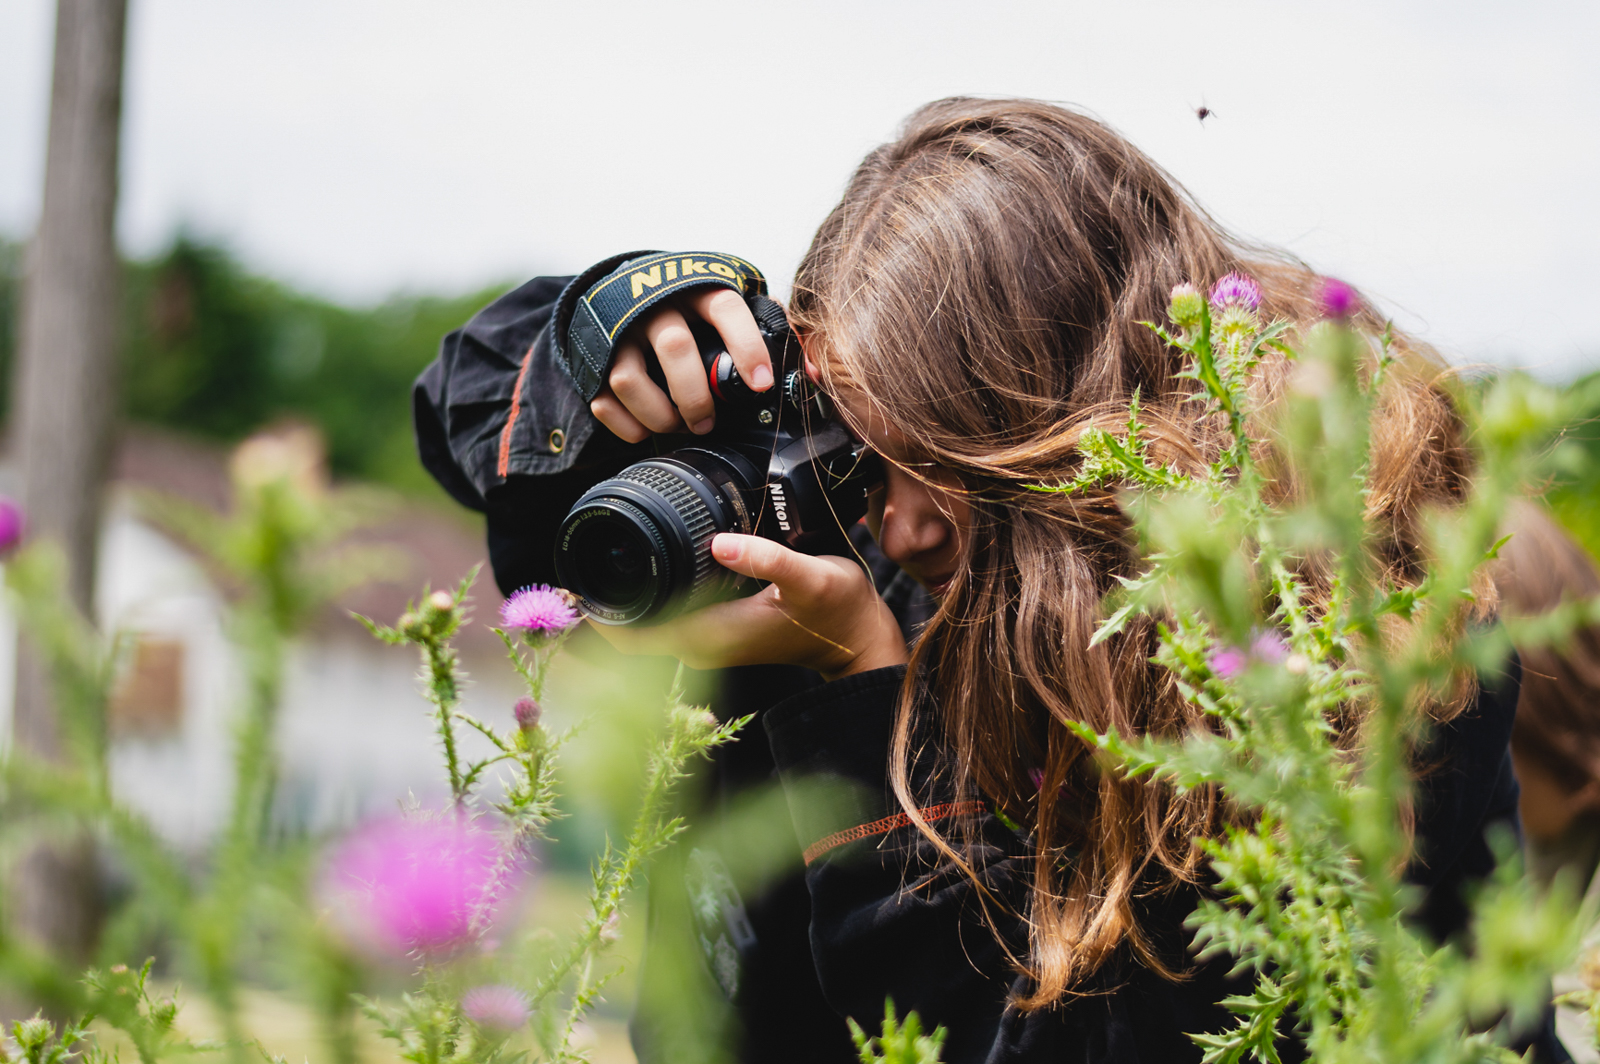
(913, 522)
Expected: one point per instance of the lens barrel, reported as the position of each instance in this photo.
(640, 542)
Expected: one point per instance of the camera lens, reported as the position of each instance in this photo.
(613, 563)
(638, 546)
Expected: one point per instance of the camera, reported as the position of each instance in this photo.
(636, 548)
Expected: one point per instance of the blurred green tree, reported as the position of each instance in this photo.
(1575, 500)
(212, 350)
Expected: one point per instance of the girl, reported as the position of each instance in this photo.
(973, 304)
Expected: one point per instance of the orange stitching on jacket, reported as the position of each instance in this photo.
(504, 465)
(888, 824)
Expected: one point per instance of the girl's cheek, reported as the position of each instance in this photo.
(875, 513)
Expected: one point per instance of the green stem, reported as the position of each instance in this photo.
(444, 691)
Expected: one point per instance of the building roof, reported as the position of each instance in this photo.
(433, 545)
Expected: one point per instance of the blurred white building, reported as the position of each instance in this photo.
(355, 736)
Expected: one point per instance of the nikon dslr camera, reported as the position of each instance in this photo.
(636, 548)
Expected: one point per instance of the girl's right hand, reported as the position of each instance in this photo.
(633, 406)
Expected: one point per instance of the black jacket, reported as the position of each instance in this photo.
(777, 966)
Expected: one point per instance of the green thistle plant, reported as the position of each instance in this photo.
(898, 1043)
(430, 1026)
(1308, 893)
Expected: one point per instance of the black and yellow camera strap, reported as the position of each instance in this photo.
(597, 307)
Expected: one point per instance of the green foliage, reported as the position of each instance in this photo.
(1308, 889)
(10, 304)
(900, 1043)
(429, 1025)
(210, 349)
(214, 350)
(1573, 491)
(252, 906)
(272, 550)
(38, 1042)
(119, 997)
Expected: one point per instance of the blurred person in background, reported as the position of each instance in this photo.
(972, 305)
(1556, 738)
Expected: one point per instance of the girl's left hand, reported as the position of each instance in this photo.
(822, 613)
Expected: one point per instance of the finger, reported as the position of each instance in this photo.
(725, 310)
(679, 356)
(799, 577)
(630, 382)
(610, 412)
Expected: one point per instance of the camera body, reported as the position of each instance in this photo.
(636, 548)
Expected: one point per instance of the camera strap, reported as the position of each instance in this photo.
(588, 325)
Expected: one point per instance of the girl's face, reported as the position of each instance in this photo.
(919, 518)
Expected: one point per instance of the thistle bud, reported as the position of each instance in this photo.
(527, 713)
(611, 930)
(1186, 305)
(31, 1034)
(442, 601)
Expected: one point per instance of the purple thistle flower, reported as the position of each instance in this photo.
(527, 713)
(539, 608)
(11, 524)
(496, 1005)
(1236, 289)
(1270, 648)
(1228, 662)
(1339, 300)
(409, 885)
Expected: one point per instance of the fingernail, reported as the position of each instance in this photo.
(761, 378)
(726, 548)
(702, 427)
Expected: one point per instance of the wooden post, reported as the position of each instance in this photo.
(63, 405)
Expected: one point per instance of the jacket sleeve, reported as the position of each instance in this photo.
(502, 428)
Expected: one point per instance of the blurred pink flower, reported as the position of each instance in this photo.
(1236, 289)
(11, 524)
(414, 885)
(1339, 300)
(1228, 662)
(539, 608)
(1267, 647)
(1270, 648)
(496, 1005)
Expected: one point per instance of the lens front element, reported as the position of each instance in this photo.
(638, 546)
(615, 559)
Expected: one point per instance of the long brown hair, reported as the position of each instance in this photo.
(1556, 738)
(982, 285)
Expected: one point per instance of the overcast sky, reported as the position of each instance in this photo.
(1443, 156)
